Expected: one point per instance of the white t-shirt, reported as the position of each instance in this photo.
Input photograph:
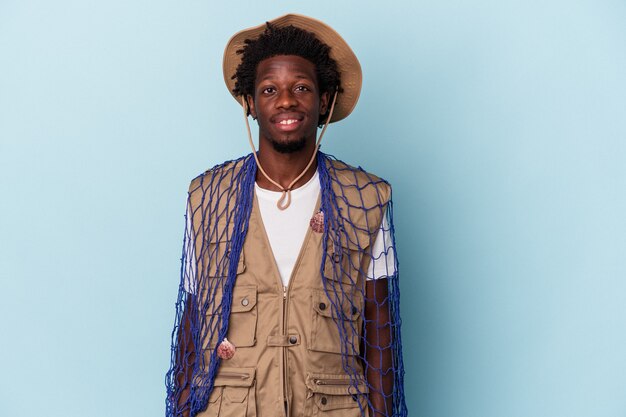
(286, 230)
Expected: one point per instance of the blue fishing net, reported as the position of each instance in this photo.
(355, 206)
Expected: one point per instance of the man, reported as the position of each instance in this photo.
(288, 303)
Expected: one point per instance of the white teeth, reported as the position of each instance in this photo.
(287, 122)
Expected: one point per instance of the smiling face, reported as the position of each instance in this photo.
(287, 102)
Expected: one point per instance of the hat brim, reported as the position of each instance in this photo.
(347, 62)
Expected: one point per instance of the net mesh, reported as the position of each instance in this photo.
(354, 204)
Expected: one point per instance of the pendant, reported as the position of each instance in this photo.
(317, 222)
(226, 350)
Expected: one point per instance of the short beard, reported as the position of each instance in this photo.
(288, 147)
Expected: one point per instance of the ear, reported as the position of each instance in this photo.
(324, 102)
(250, 101)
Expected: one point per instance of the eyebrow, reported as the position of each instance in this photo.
(300, 76)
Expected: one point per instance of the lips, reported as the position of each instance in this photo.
(287, 122)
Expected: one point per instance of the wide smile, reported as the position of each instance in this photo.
(287, 123)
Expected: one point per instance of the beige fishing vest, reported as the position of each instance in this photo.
(288, 348)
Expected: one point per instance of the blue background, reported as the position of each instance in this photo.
(500, 124)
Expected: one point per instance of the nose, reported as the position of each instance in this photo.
(286, 99)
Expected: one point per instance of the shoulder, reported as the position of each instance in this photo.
(218, 176)
(356, 180)
(216, 184)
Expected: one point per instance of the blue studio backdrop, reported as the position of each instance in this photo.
(500, 124)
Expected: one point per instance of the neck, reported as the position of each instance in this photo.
(285, 167)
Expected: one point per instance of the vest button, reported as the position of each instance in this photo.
(245, 302)
(324, 400)
(337, 257)
(354, 310)
(293, 340)
(322, 306)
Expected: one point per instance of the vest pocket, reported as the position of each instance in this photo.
(326, 322)
(331, 395)
(215, 401)
(344, 259)
(234, 394)
(219, 255)
(243, 317)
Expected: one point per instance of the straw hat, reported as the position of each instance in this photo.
(347, 62)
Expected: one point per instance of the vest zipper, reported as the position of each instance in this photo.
(294, 272)
(285, 370)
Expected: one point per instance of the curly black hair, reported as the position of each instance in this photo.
(288, 40)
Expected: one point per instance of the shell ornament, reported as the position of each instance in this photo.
(226, 350)
(317, 222)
